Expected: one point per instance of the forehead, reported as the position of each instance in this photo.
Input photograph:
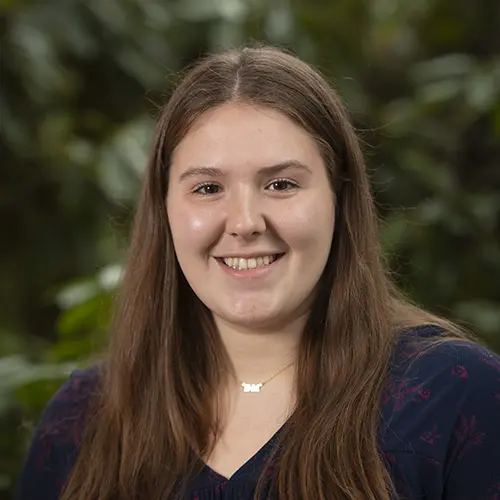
(240, 135)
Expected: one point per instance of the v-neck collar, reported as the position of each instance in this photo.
(249, 470)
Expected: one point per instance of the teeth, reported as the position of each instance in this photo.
(244, 264)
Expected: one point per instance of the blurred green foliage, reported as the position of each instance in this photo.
(81, 82)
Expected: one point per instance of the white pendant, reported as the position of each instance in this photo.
(251, 387)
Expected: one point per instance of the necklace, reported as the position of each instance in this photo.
(258, 387)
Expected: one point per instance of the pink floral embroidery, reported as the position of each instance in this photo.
(400, 393)
(422, 394)
(221, 486)
(460, 370)
(494, 491)
(405, 354)
(431, 436)
(433, 462)
(402, 390)
(467, 435)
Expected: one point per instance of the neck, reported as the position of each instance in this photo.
(258, 355)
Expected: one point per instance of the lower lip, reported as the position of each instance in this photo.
(250, 273)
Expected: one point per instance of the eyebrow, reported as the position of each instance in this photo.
(269, 170)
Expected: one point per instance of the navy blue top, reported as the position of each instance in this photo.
(439, 430)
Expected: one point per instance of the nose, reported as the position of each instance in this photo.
(244, 215)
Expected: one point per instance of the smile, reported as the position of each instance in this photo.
(243, 264)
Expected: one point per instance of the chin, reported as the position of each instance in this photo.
(252, 321)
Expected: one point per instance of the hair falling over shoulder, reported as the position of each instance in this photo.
(153, 408)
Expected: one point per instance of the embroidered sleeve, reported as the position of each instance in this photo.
(440, 431)
(472, 469)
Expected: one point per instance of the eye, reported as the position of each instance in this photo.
(207, 189)
(282, 185)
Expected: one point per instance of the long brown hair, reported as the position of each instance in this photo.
(154, 406)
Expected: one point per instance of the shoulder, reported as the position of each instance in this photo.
(66, 411)
(440, 414)
(434, 385)
(429, 369)
(57, 437)
(424, 354)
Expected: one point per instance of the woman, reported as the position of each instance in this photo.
(259, 349)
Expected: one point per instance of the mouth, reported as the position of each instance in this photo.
(244, 264)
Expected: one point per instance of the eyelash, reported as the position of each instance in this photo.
(293, 184)
(199, 187)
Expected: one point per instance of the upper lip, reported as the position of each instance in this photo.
(253, 255)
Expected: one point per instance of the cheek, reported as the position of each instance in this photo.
(308, 226)
(192, 230)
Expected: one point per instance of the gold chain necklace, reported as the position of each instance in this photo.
(258, 387)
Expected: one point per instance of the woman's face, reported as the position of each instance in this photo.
(252, 214)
